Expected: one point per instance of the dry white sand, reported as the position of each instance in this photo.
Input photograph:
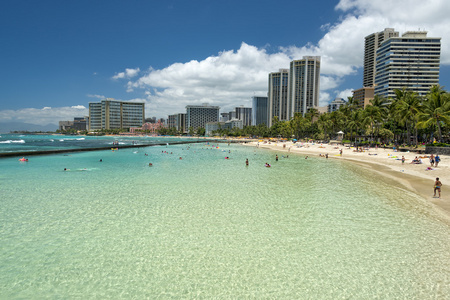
(415, 177)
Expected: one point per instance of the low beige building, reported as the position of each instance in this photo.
(363, 96)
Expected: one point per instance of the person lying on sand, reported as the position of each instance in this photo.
(416, 160)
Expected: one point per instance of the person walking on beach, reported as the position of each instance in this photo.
(340, 152)
(403, 160)
(437, 187)
(437, 159)
(432, 159)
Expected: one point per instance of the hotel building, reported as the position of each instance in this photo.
(244, 114)
(180, 122)
(260, 111)
(410, 61)
(304, 81)
(363, 96)
(335, 104)
(198, 115)
(171, 121)
(278, 95)
(113, 114)
(371, 45)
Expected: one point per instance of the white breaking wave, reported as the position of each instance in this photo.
(13, 141)
(80, 139)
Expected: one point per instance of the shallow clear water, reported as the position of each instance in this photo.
(210, 227)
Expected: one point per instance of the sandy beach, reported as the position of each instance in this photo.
(418, 178)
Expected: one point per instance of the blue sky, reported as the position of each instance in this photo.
(57, 56)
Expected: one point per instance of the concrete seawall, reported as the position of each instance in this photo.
(437, 150)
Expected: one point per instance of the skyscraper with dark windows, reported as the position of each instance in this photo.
(260, 110)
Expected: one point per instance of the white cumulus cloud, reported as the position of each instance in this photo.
(232, 77)
(129, 73)
(46, 115)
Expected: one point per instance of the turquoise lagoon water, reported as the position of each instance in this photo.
(30, 142)
(210, 227)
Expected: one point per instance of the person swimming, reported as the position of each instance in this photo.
(267, 165)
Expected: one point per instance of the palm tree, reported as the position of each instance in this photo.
(435, 109)
(406, 107)
(338, 120)
(352, 104)
(324, 123)
(355, 122)
(376, 113)
(313, 114)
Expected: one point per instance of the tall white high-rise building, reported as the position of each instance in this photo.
(113, 114)
(371, 44)
(198, 115)
(278, 95)
(304, 83)
(410, 61)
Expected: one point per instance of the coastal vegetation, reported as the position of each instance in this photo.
(405, 119)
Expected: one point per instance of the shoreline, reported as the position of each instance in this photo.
(385, 162)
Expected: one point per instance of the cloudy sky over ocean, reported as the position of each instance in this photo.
(57, 56)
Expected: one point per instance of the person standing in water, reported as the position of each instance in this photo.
(246, 162)
(437, 187)
(276, 157)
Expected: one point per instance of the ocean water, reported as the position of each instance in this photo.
(208, 227)
(29, 142)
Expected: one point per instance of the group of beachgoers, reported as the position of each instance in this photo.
(434, 160)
